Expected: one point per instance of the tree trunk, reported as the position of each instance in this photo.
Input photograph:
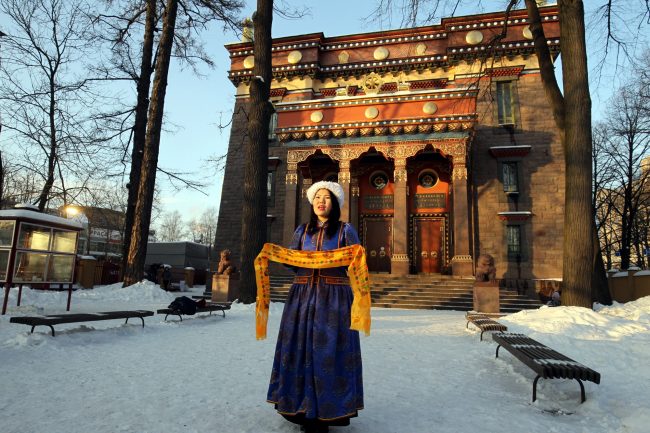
(577, 272)
(52, 155)
(575, 129)
(140, 126)
(256, 152)
(599, 282)
(142, 216)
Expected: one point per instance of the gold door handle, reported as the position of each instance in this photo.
(382, 253)
(373, 253)
(434, 254)
(424, 254)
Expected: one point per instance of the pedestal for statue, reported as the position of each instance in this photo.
(225, 288)
(486, 297)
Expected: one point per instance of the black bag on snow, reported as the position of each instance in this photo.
(183, 305)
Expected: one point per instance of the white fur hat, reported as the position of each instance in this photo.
(332, 187)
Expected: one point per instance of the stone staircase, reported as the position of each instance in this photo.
(423, 292)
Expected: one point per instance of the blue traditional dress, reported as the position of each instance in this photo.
(317, 366)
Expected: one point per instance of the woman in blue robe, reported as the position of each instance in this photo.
(316, 379)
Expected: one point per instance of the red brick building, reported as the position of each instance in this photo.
(441, 137)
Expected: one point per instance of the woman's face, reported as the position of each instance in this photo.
(322, 204)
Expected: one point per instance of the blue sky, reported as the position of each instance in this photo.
(196, 105)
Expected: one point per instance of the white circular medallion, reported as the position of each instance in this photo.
(371, 112)
(527, 33)
(294, 57)
(429, 108)
(474, 37)
(316, 116)
(249, 62)
(381, 53)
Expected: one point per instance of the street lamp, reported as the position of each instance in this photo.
(76, 214)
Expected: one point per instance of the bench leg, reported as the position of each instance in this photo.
(535, 387)
(179, 316)
(51, 327)
(497, 354)
(582, 391)
(482, 335)
(223, 312)
(20, 294)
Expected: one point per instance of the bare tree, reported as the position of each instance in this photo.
(627, 147)
(256, 151)
(44, 102)
(172, 227)
(136, 59)
(204, 228)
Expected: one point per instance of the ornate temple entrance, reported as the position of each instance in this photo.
(428, 245)
(377, 240)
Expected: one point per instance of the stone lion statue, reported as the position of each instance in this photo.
(226, 266)
(485, 270)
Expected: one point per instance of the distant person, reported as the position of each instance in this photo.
(166, 277)
(555, 300)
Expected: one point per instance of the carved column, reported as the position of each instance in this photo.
(354, 203)
(461, 263)
(290, 197)
(344, 181)
(304, 205)
(399, 262)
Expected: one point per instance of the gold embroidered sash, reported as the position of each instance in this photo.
(353, 256)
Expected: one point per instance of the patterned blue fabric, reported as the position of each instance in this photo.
(317, 366)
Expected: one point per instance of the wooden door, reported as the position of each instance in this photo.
(377, 240)
(428, 245)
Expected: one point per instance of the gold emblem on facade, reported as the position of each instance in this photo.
(249, 62)
(344, 57)
(420, 49)
(372, 83)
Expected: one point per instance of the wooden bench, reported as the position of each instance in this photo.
(484, 323)
(56, 319)
(207, 308)
(544, 361)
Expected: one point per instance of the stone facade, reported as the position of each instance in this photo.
(442, 157)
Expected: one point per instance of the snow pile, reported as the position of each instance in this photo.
(423, 371)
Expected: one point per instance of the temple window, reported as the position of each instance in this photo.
(506, 102)
(273, 123)
(270, 188)
(513, 236)
(510, 177)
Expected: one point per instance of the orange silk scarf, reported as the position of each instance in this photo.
(353, 256)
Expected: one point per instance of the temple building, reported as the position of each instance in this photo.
(441, 136)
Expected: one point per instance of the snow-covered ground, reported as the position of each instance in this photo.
(423, 371)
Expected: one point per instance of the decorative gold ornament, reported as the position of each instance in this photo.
(371, 112)
(420, 49)
(316, 116)
(474, 37)
(249, 62)
(381, 53)
(372, 83)
(344, 57)
(294, 57)
(429, 108)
